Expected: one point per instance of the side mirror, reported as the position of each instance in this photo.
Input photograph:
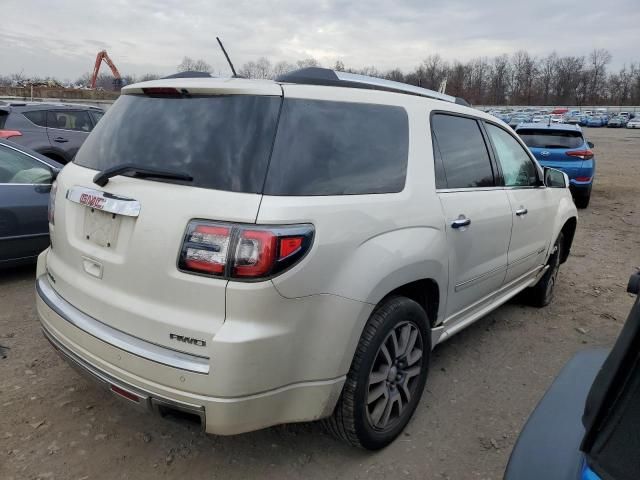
(555, 178)
(54, 174)
(591, 145)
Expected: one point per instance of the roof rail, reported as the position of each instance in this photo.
(328, 77)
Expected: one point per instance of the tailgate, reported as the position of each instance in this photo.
(120, 268)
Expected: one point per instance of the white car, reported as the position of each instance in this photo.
(250, 253)
(634, 123)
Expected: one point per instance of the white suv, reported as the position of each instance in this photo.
(249, 253)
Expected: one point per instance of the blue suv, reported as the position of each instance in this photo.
(564, 147)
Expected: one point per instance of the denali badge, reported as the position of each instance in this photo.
(192, 341)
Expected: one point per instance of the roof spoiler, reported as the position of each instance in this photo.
(328, 77)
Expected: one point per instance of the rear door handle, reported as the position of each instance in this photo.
(460, 222)
(521, 211)
(60, 140)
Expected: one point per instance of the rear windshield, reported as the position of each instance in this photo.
(339, 148)
(551, 138)
(223, 142)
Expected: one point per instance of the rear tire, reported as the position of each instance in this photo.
(542, 293)
(386, 378)
(582, 200)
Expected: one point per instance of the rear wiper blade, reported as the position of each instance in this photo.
(103, 177)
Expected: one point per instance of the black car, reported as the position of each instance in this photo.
(25, 183)
(54, 130)
(587, 426)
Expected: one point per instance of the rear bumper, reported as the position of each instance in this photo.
(275, 360)
(303, 401)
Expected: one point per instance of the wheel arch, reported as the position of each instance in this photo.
(425, 292)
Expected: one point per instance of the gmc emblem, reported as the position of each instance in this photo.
(92, 201)
(189, 340)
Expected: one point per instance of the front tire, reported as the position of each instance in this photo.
(542, 293)
(387, 376)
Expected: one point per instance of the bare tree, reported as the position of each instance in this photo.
(599, 58)
(189, 64)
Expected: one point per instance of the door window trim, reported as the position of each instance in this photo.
(497, 173)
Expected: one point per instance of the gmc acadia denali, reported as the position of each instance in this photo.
(249, 253)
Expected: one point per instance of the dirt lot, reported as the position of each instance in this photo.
(483, 383)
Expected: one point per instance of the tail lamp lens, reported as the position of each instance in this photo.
(10, 133)
(583, 154)
(242, 251)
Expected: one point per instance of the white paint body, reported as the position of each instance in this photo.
(279, 350)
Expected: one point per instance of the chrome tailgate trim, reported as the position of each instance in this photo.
(117, 338)
(104, 201)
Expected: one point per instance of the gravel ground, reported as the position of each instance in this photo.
(483, 384)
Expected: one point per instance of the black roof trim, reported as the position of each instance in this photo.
(189, 74)
(328, 77)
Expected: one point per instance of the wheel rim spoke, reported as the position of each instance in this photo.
(376, 393)
(391, 387)
(380, 408)
(379, 376)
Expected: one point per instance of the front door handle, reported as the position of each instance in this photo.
(60, 140)
(521, 211)
(460, 222)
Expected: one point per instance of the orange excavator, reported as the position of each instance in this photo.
(117, 79)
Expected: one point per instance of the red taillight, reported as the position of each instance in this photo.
(124, 393)
(289, 246)
(10, 133)
(583, 154)
(207, 247)
(255, 253)
(162, 92)
(583, 179)
(243, 252)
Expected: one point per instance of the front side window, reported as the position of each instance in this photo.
(459, 144)
(518, 169)
(69, 120)
(16, 168)
(339, 148)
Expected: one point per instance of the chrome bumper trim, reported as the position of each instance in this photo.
(148, 401)
(116, 338)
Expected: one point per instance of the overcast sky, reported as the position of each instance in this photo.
(61, 37)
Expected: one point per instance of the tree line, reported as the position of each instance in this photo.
(516, 79)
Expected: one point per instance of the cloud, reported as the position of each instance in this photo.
(61, 38)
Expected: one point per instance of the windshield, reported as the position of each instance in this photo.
(551, 138)
(223, 141)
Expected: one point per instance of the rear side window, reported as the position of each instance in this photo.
(339, 148)
(69, 120)
(459, 145)
(223, 142)
(540, 138)
(37, 117)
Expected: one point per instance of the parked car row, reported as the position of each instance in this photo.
(54, 130)
(588, 118)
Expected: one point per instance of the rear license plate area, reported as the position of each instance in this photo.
(101, 227)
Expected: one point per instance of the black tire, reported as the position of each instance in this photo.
(582, 200)
(352, 421)
(541, 294)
